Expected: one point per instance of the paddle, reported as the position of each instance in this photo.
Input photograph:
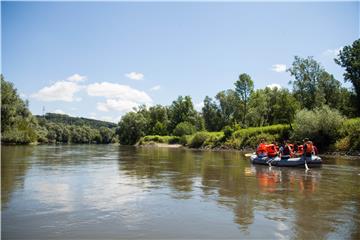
(249, 154)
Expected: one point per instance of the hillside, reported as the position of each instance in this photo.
(78, 121)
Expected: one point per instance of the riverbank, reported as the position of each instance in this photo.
(330, 154)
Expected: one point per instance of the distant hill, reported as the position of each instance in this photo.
(79, 121)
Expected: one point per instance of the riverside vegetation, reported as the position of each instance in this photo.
(318, 107)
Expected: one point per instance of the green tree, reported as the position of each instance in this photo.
(106, 134)
(244, 87)
(17, 123)
(349, 58)
(212, 115)
(184, 128)
(313, 86)
(321, 125)
(230, 107)
(131, 128)
(182, 110)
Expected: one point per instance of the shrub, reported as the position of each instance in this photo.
(199, 139)
(184, 128)
(228, 131)
(350, 129)
(320, 125)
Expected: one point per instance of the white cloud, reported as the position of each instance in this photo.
(59, 91)
(116, 105)
(135, 75)
(278, 68)
(332, 52)
(155, 88)
(118, 91)
(76, 78)
(199, 106)
(59, 111)
(274, 85)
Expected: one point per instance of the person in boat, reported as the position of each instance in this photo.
(315, 150)
(285, 150)
(271, 150)
(261, 149)
(308, 148)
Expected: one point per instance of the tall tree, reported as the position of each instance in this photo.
(244, 87)
(230, 106)
(182, 110)
(313, 86)
(212, 115)
(349, 58)
(17, 123)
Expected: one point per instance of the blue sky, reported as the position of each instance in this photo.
(99, 60)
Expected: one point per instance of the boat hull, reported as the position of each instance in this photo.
(313, 161)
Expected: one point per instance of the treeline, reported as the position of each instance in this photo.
(19, 126)
(317, 107)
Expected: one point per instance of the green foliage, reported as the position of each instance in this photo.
(250, 137)
(230, 107)
(17, 123)
(212, 115)
(199, 139)
(184, 128)
(228, 131)
(321, 125)
(313, 86)
(131, 128)
(349, 58)
(79, 121)
(244, 87)
(350, 135)
(182, 110)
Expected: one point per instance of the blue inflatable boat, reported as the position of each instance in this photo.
(313, 161)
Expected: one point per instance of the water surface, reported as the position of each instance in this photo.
(107, 191)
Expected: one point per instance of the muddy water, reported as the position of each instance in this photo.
(105, 191)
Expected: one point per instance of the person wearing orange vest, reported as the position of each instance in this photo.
(308, 147)
(261, 149)
(271, 150)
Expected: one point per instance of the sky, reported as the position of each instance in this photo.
(99, 60)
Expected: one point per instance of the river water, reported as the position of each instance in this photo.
(107, 191)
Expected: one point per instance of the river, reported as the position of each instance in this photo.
(108, 191)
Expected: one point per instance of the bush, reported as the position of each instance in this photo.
(184, 128)
(321, 125)
(228, 131)
(199, 139)
(350, 133)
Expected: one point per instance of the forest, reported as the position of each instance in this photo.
(316, 106)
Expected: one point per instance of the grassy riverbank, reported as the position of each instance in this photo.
(347, 138)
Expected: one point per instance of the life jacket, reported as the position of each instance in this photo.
(300, 150)
(271, 150)
(261, 149)
(309, 148)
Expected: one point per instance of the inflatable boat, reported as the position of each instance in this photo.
(313, 161)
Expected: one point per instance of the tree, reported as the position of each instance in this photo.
(230, 107)
(158, 120)
(106, 134)
(244, 87)
(17, 123)
(349, 58)
(313, 86)
(184, 128)
(212, 115)
(181, 110)
(131, 128)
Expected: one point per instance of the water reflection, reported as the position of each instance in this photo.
(14, 165)
(89, 191)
